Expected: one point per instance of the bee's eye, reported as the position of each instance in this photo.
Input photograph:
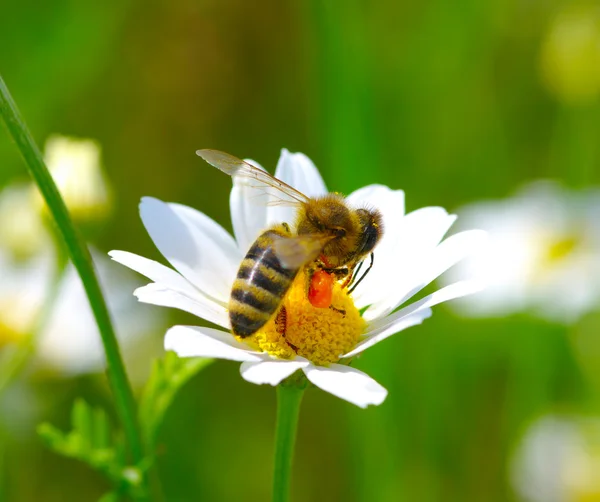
(369, 239)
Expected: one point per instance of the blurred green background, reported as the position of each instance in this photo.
(449, 101)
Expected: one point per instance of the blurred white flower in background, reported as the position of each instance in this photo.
(570, 56)
(67, 341)
(543, 254)
(70, 342)
(22, 291)
(558, 460)
(76, 169)
(23, 239)
(22, 232)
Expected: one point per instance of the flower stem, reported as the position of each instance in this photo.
(289, 398)
(80, 256)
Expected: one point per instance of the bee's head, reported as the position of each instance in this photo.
(371, 230)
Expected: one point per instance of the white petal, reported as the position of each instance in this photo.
(270, 371)
(451, 292)
(248, 206)
(196, 303)
(347, 383)
(399, 253)
(397, 326)
(381, 197)
(426, 227)
(200, 249)
(297, 170)
(196, 341)
(171, 289)
(153, 270)
(432, 265)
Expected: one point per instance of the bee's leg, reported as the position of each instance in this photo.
(287, 227)
(339, 272)
(309, 272)
(281, 326)
(281, 321)
(364, 275)
(339, 311)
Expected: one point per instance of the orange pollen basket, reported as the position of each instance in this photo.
(320, 291)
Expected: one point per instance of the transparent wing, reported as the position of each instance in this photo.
(294, 252)
(245, 172)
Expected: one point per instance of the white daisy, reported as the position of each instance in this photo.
(206, 259)
(558, 460)
(543, 256)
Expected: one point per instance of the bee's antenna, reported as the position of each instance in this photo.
(355, 273)
(364, 275)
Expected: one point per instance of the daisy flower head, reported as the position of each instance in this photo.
(318, 321)
(543, 254)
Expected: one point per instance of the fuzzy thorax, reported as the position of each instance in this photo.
(321, 335)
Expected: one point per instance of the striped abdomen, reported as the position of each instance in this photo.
(260, 285)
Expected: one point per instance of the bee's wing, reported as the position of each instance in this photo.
(294, 252)
(246, 172)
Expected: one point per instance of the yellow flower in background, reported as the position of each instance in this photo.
(558, 460)
(570, 56)
(76, 169)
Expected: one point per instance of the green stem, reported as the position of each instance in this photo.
(289, 398)
(80, 256)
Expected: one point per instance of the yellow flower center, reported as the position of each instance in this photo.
(321, 335)
(554, 252)
(8, 335)
(560, 249)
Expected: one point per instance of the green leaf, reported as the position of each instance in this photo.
(101, 429)
(51, 436)
(167, 377)
(81, 420)
(90, 441)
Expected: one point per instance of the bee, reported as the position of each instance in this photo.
(329, 237)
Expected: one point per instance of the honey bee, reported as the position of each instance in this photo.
(329, 237)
